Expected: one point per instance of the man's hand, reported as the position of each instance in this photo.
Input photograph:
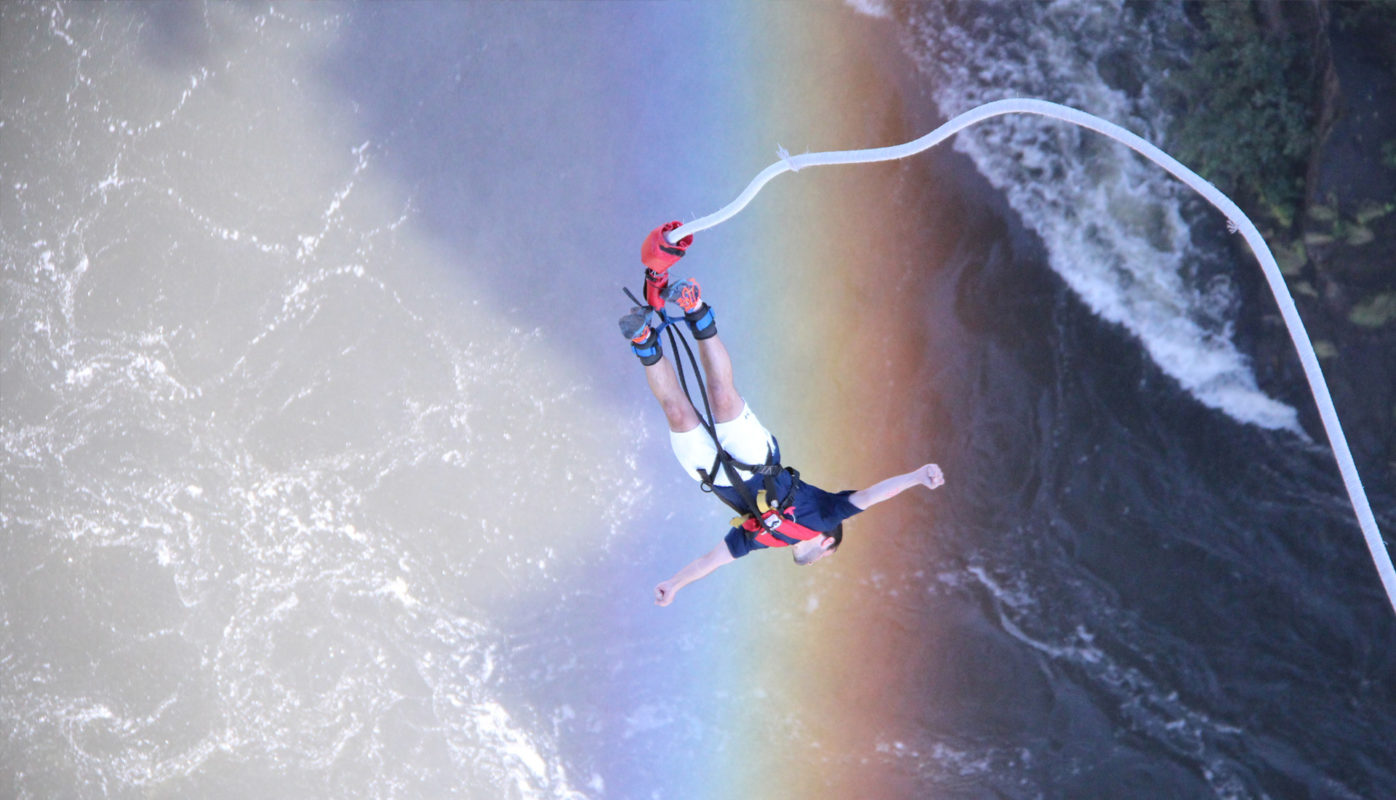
(930, 476)
(698, 568)
(664, 593)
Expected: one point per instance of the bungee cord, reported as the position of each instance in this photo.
(1237, 220)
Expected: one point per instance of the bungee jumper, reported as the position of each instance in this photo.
(726, 448)
(667, 244)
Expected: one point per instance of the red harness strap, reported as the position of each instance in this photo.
(779, 528)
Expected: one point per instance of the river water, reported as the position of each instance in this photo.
(1181, 599)
(310, 467)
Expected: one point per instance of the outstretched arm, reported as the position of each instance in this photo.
(928, 476)
(698, 568)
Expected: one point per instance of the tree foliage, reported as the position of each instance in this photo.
(1246, 122)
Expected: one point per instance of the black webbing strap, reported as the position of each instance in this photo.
(723, 458)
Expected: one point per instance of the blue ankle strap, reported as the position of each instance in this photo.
(648, 351)
(705, 326)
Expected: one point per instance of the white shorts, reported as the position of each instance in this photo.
(744, 437)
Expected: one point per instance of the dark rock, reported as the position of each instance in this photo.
(1120, 70)
(1346, 289)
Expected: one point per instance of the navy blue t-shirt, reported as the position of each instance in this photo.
(815, 509)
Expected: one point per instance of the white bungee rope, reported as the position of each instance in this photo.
(1234, 215)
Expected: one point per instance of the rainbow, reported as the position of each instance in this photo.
(830, 675)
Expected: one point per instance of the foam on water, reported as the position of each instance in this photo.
(1111, 222)
(241, 440)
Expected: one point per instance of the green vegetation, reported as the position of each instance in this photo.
(1327, 225)
(1291, 257)
(1374, 311)
(1374, 16)
(1371, 212)
(1246, 120)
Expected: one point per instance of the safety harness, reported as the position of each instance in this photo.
(766, 517)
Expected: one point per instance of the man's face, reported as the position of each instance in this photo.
(812, 550)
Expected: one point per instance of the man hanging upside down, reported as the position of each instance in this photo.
(778, 509)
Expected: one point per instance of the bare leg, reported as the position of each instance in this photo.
(665, 385)
(722, 393)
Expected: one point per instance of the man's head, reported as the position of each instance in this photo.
(811, 550)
